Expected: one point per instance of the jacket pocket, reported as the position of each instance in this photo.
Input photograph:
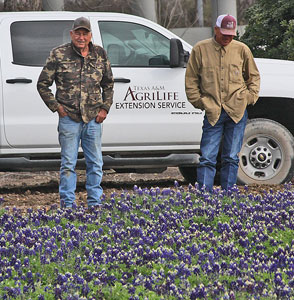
(96, 71)
(246, 96)
(95, 99)
(235, 73)
(66, 66)
(68, 71)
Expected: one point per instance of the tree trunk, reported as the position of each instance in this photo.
(200, 13)
(222, 7)
(53, 4)
(147, 9)
(19, 5)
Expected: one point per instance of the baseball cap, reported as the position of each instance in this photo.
(81, 22)
(227, 24)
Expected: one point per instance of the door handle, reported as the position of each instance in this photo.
(123, 80)
(19, 80)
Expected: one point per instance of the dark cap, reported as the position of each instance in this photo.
(227, 24)
(81, 23)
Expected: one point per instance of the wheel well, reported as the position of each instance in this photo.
(277, 109)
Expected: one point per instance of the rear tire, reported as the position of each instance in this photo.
(267, 154)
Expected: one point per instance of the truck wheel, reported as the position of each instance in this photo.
(267, 154)
(189, 173)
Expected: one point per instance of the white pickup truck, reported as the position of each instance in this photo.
(151, 125)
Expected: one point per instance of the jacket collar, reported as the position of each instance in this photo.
(91, 53)
(218, 47)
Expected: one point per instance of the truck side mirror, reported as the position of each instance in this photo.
(178, 56)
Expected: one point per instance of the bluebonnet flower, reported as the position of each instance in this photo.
(198, 292)
(12, 292)
(212, 235)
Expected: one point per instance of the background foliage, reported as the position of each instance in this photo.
(170, 13)
(270, 30)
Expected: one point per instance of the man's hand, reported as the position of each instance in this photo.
(61, 111)
(102, 114)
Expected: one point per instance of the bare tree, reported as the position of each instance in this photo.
(100, 5)
(19, 5)
(135, 7)
(177, 13)
(170, 13)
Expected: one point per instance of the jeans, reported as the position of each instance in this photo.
(71, 133)
(231, 135)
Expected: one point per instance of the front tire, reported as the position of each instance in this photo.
(267, 154)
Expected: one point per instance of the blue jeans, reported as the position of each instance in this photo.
(71, 133)
(231, 135)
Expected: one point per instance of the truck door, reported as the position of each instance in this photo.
(150, 109)
(28, 122)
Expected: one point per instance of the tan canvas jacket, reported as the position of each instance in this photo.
(222, 77)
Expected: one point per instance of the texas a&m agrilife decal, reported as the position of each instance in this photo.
(150, 97)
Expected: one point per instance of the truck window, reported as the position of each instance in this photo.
(134, 45)
(32, 41)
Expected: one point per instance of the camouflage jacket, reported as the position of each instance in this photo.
(79, 81)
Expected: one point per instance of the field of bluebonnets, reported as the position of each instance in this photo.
(153, 243)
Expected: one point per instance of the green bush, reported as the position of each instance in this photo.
(270, 30)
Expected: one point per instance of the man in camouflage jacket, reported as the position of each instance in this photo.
(80, 70)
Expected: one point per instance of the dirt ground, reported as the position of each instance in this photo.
(40, 189)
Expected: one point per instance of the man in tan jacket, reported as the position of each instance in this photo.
(221, 79)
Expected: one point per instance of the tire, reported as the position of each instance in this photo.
(189, 173)
(267, 154)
